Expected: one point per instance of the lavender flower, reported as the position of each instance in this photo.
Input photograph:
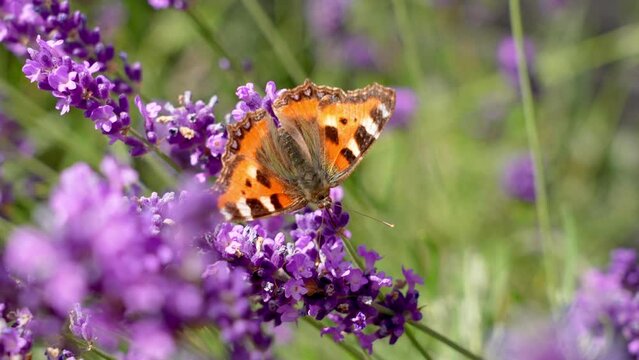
(134, 261)
(508, 62)
(79, 324)
(19, 23)
(405, 107)
(163, 4)
(189, 131)
(310, 277)
(75, 85)
(518, 178)
(328, 24)
(71, 62)
(53, 353)
(16, 337)
(25, 20)
(327, 19)
(599, 324)
(358, 51)
(251, 100)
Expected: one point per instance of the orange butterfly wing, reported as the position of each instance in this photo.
(345, 123)
(248, 189)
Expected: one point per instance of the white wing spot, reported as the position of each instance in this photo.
(352, 146)
(331, 121)
(226, 214)
(252, 171)
(382, 108)
(370, 126)
(266, 201)
(244, 209)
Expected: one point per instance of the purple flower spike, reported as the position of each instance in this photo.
(188, 132)
(310, 276)
(602, 315)
(68, 58)
(79, 324)
(251, 100)
(164, 4)
(509, 65)
(104, 118)
(405, 107)
(518, 178)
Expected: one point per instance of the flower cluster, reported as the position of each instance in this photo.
(188, 132)
(518, 178)
(131, 261)
(311, 277)
(600, 323)
(72, 62)
(16, 337)
(163, 4)
(405, 106)
(75, 85)
(251, 100)
(327, 21)
(609, 299)
(509, 63)
(25, 20)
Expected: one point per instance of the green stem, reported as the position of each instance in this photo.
(533, 139)
(346, 347)
(101, 354)
(437, 336)
(37, 167)
(214, 42)
(408, 39)
(418, 346)
(156, 150)
(281, 49)
(350, 249)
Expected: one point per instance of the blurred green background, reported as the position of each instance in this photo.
(439, 177)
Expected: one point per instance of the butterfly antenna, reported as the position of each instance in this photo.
(390, 225)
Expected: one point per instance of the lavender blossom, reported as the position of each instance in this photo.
(405, 107)
(311, 277)
(53, 353)
(251, 100)
(600, 323)
(508, 62)
(189, 132)
(72, 63)
(75, 85)
(133, 260)
(518, 178)
(164, 4)
(327, 19)
(16, 337)
(25, 20)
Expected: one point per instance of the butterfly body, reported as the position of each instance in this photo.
(324, 133)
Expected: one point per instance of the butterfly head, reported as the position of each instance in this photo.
(323, 201)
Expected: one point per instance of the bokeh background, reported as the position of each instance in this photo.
(452, 169)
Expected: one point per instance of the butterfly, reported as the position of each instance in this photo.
(324, 133)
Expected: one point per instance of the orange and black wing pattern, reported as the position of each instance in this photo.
(249, 190)
(345, 123)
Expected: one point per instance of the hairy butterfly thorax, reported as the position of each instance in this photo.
(324, 134)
